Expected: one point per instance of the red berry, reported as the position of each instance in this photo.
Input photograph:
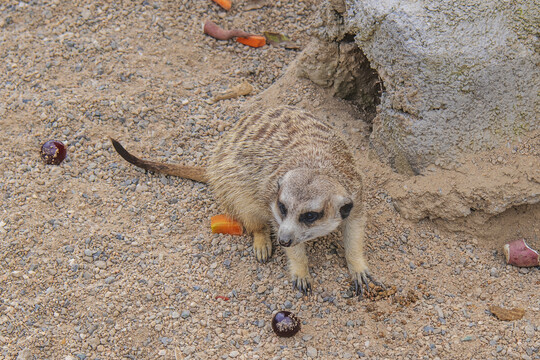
(53, 152)
(285, 324)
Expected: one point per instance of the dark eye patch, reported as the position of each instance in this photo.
(345, 210)
(310, 217)
(282, 208)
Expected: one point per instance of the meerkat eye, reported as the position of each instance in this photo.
(282, 208)
(345, 210)
(310, 217)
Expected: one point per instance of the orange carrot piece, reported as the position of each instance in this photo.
(226, 4)
(222, 224)
(253, 40)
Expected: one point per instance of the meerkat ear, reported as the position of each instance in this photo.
(345, 210)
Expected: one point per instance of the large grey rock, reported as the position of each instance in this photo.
(458, 75)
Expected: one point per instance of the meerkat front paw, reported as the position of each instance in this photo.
(262, 246)
(361, 279)
(302, 283)
(298, 267)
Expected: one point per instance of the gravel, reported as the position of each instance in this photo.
(101, 260)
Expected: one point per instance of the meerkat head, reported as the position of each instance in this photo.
(308, 205)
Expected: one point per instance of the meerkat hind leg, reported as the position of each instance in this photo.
(353, 242)
(298, 267)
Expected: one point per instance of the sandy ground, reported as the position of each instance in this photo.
(100, 260)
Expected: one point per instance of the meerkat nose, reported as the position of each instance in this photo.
(286, 242)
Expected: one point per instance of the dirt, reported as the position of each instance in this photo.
(100, 260)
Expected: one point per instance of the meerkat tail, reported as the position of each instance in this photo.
(183, 171)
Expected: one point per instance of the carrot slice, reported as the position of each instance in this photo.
(226, 4)
(222, 224)
(253, 40)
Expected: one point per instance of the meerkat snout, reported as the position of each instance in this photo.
(309, 205)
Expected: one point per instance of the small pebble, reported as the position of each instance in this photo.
(439, 311)
(529, 330)
(311, 352)
(100, 264)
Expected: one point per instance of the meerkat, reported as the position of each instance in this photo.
(287, 171)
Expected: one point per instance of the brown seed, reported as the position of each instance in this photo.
(53, 152)
(285, 324)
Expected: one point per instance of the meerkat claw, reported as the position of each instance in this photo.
(358, 289)
(263, 254)
(364, 279)
(375, 282)
(304, 285)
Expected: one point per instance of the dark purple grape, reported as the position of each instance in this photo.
(53, 152)
(285, 324)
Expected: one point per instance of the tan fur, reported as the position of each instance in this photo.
(286, 156)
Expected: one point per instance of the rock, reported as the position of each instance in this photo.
(101, 264)
(489, 190)
(25, 354)
(439, 97)
(455, 76)
(311, 352)
(439, 311)
(529, 330)
(428, 330)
